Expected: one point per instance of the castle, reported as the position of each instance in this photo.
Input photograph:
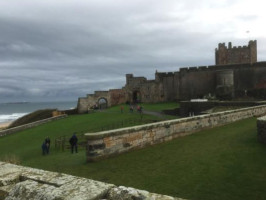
(236, 74)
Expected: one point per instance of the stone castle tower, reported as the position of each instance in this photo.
(236, 55)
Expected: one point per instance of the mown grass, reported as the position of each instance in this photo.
(220, 163)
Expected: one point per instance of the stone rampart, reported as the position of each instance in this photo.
(107, 143)
(261, 129)
(24, 183)
(30, 125)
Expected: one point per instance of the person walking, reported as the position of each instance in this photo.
(74, 143)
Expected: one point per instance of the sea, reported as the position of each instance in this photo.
(12, 111)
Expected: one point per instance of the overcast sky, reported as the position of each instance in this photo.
(64, 49)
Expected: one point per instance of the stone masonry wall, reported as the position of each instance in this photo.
(117, 96)
(107, 143)
(261, 129)
(24, 183)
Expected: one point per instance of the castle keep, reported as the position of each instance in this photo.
(236, 74)
(236, 55)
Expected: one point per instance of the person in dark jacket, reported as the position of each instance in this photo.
(44, 148)
(47, 142)
(74, 143)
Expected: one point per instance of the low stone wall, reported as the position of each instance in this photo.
(30, 125)
(107, 143)
(24, 183)
(261, 129)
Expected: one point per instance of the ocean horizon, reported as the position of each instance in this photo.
(14, 110)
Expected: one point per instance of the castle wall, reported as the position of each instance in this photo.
(170, 84)
(148, 90)
(196, 82)
(86, 103)
(113, 97)
(116, 96)
(188, 83)
(83, 104)
(249, 77)
(152, 92)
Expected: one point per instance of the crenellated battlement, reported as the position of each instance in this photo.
(237, 54)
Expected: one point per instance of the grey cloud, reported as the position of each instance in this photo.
(65, 49)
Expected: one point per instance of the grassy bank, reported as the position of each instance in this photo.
(221, 163)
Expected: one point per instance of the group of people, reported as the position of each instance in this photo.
(73, 143)
(131, 108)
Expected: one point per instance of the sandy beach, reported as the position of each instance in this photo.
(4, 125)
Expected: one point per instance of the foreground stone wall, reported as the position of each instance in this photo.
(24, 183)
(107, 143)
(30, 125)
(261, 129)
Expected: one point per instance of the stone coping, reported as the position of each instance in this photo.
(103, 134)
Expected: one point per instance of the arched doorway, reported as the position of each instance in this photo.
(102, 103)
(136, 97)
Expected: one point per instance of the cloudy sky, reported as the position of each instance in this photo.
(54, 50)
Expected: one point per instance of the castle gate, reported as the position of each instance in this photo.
(136, 97)
(102, 103)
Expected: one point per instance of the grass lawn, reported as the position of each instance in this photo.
(160, 106)
(221, 163)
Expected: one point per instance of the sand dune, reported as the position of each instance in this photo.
(4, 125)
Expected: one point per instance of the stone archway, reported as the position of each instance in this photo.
(136, 98)
(102, 103)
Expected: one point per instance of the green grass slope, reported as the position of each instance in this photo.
(221, 163)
